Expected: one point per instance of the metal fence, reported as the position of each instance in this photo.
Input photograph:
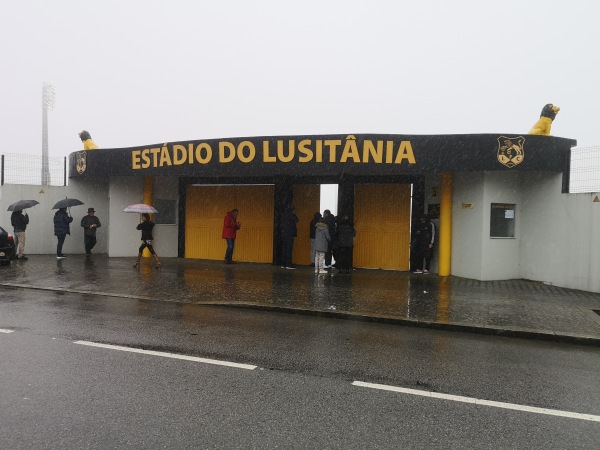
(585, 170)
(27, 169)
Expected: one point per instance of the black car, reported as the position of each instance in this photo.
(7, 247)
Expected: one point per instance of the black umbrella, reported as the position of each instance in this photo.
(67, 203)
(22, 204)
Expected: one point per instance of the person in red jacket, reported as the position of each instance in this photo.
(230, 227)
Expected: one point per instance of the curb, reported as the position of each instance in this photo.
(461, 327)
(465, 328)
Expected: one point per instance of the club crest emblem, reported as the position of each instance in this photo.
(511, 151)
(81, 162)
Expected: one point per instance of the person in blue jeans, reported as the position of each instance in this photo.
(230, 228)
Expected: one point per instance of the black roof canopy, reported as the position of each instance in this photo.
(329, 155)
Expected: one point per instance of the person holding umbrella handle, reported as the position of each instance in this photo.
(61, 229)
(19, 222)
(146, 226)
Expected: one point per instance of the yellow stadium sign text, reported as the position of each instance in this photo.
(344, 151)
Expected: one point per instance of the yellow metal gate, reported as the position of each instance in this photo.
(382, 223)
(206, 207)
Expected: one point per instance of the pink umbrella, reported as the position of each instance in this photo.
(140, 208)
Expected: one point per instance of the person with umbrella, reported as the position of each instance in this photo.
(19, 221)
(90, 224)
(146, 226)
(61, 229)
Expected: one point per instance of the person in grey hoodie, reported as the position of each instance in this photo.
(322, 242)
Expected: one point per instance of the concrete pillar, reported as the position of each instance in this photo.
(148, 199)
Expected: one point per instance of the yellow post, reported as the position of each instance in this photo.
(148, 200)
(446, 225)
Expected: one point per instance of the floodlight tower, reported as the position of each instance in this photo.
(48, 95)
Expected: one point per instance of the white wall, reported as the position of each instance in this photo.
(467, 223)
(40, 231)
(556, 235)
(474, 253)
(117, 236)
(500, 256)
(125, 239)
(561, 242)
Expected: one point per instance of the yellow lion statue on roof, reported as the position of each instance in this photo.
(88, 144)
(543, 125)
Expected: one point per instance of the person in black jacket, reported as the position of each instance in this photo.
(90, 224)
(421, 247)
(61, 229)
(329, 219)
(146, 225)
(345, 242)
(288, 232)
(19, 222)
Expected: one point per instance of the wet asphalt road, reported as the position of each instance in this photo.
(58, 394)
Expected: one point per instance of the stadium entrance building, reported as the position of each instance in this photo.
(473, 187)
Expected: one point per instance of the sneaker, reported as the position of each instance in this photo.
(290, 267)
(418, 271)
(425, 271)
(323, 271)
(23, 258)
(61, 257)
(283, 267)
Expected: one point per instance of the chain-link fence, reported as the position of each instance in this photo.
(585, 170)
(27, 169)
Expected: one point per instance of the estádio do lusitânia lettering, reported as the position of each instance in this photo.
(284, 151)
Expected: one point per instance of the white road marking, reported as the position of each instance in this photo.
(167, 355)
(476, 401)
(2, 330)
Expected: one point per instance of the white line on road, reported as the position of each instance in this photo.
(167, 355)
(476, 401)
(2, 330)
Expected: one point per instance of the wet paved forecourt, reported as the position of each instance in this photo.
(511, 308)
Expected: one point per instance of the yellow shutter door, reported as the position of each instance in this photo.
(206, 207)
(382, 223)
(307, 199)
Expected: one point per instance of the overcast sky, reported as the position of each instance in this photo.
(134, 73)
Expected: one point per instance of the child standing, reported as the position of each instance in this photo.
(322, 240)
